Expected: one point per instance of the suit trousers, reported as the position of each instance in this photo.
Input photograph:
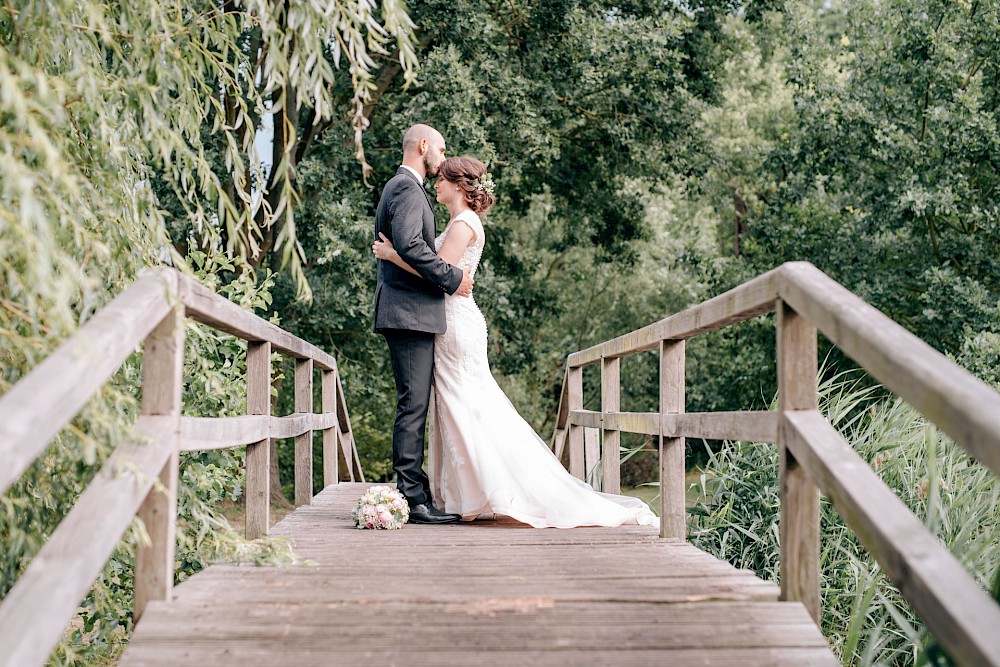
(412, 354)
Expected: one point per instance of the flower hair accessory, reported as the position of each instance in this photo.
(484, 183)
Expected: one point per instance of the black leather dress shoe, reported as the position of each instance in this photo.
(427, 513)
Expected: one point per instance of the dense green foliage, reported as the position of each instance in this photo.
(649, 158)
(957, 499)
(648, 155)
(117, 120)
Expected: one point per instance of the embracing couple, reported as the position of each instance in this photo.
(484, 459)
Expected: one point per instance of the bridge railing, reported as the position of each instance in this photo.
(140, 476)
(814, 456)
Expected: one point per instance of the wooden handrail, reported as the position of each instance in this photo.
(140, 477)
(35, 409)
(36, 610)
(814, 456)
(959, 403)
(205, 306)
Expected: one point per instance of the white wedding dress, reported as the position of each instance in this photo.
(483, 457)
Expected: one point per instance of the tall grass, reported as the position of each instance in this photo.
(864, 616)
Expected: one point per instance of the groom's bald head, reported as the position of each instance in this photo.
(423, 146)
(417, 134)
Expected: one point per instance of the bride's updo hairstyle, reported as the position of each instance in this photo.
(470, 175)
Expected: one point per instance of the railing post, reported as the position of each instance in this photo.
(162, 384)
(352, 465)
(329, 389)
(592, 457)
(611, 402)
(575, 438)
(673, 520)
(304, 442)
(799, 495)
(562, 419)
(258, 488)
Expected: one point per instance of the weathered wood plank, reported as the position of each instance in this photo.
(206, 433)
(510, 611)
(486, 592)
(162, 386)
(304, 440)
(610, 437)
(958, 612)
(35, 409)
(799, 496)
(438, 634)
(37, 609)
(586, 418)
(963, 406)
(673, 518)
(619, 656)
(733, 426)
(205, 306)
(562, 414)
(349, 447)
(575, 400)
(257, 495)
(740, 303)
(647, 423)
(559, 446)
(328, 388)
(746, 426)
(592, 455)
(298, 424)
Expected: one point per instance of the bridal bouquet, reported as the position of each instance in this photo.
(381, 508)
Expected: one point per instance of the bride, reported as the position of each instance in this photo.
(483, 457)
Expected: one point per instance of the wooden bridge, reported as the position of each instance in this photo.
(488, 592)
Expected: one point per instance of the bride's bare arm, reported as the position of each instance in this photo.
(384, 249)
(458, 239)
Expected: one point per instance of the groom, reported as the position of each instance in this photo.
(409, 309)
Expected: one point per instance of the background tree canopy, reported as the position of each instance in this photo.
(647, 155)
(651, 157)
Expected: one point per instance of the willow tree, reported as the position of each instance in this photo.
(118, 121)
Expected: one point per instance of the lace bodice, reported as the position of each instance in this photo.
(472, 255)
(483, 456)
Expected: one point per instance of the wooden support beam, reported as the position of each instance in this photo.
(329, 399)
(35, 612)
(205, 306)
(673, 518)
(258, 488)
(960, 614)
(799, 496)
(558, 443)
(575, 400)
(303, 442)
(348, 446)
(747, 426)
(162, 386)
(743, 302)
(611, 440)
(35, 409)
(592, 456)
(959, 403)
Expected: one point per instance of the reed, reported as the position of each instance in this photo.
(866, 619)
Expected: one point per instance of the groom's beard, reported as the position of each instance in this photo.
(431, 170)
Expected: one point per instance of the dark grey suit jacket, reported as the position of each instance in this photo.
(403, 300)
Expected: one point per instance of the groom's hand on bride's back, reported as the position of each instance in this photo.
(465, 289)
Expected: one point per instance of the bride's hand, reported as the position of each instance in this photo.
(383, 248)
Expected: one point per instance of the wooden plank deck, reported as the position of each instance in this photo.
(485, 593)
